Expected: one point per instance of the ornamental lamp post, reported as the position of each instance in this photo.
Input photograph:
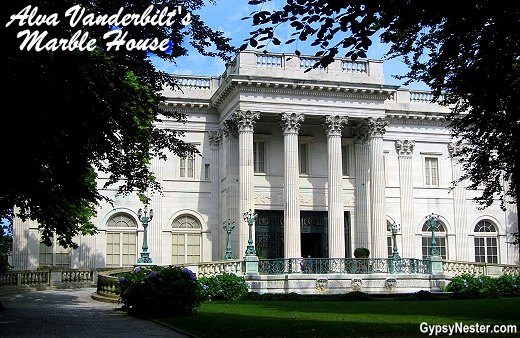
(145, 255)
(229, 226)
(433, 221)
(396, 228)
(250, 217)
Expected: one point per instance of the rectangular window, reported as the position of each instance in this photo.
(426, 245)
(344, 160)
(431, 171)
(303, 158)
(259, 157)
(187, 167)
(54, 255)
(121, 249)
(186, 248)
(389, 246)
(486, 250)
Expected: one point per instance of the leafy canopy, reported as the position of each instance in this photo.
(468, 55)
(75, 114)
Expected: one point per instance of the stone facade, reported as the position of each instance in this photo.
(328, 159)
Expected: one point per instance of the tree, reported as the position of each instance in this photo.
(78, 112)
(468, 55)
(6, 244)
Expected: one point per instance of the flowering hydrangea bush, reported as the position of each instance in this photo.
(160, 291)
(224, 287)
(470, 286)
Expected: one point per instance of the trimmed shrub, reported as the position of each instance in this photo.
(292, 296)
(508, 286)
(226, 286)
(158, 291)
(361, 253)
(468, 286)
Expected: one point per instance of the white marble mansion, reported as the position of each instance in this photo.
(328, 159)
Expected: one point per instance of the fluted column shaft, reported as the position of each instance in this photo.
(459, 208)
(245, 122)
(333, 125)
(361, 230)
(405, 151)
(217, 236)
(231, 187)
(377, 197)
(290, 124)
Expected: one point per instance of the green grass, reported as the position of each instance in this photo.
(381, 318)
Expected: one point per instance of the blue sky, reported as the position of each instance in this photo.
(225, 16)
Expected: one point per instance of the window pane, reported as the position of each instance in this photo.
(344, 160)
(303, 158)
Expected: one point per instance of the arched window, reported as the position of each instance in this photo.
(121, 240)
(486, 249)
(440, 238)
(186, 240)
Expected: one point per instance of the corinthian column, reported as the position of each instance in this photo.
(333, 125)
(245, 121)
(459, 207)
(217, 236)
(290, 124)
(362, 229)
(405, 151)
(230, 187)
(377, 187)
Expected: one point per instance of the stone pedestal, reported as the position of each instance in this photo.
(251, 265)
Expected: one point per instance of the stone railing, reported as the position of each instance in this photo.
(193, 82)
(267, 60)
(458, 268)
(107, 282)
(423, 96)
(26, 278)
(308, 62)
(77, 276)
(218, 267)
(344, 266)
(354, 66)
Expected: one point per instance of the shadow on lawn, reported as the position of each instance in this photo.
(343, 319)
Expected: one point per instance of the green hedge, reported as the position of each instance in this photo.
(468, 286)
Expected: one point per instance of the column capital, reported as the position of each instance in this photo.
(404, 148)
(245, 120)
(369, 128)
(454, 149)
(333, 124)
(215, 138)
(290, 122)
(230, 129)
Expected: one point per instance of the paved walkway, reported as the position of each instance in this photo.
(72, 313)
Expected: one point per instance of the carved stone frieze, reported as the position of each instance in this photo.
(215, 138)
(290, 122)
(333, 124)
(348, 200)
(404, 148)
(245, 120)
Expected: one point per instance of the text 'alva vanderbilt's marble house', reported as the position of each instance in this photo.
(328, 159)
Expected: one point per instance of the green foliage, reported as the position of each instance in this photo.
(468, 286)
(6, 245)
(361, 253)
(508, 286)
(88, 113)
(160, 291)
(224, 287)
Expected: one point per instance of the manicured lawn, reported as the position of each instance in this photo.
(381, 318)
